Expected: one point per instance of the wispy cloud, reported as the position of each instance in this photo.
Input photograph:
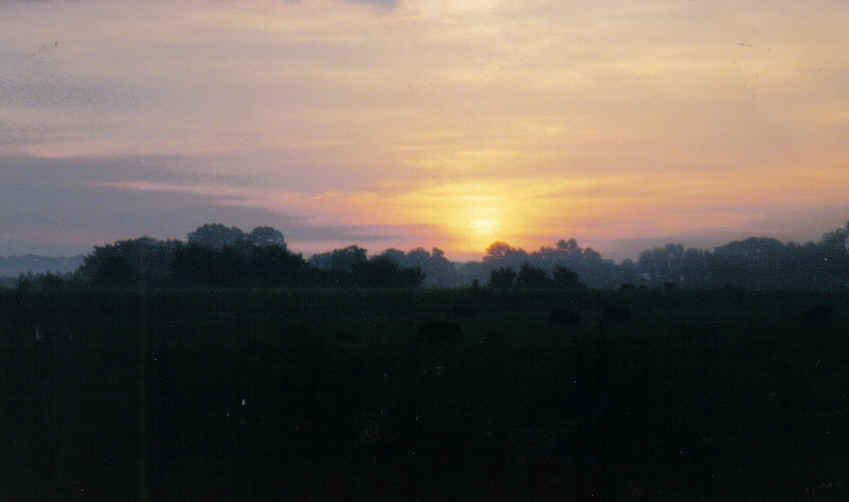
(389, 4)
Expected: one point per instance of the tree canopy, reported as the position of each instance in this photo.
(215, 235)
(226, 256)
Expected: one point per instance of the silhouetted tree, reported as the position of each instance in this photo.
(396, 255)
(51, 281)
(532, 277)
(242, 264)
(587, 263)
(835, 257)
(663, 264)
(215, 235)
(566, 279)
(504, 254)
(571, 246)
(437, 269)
(196, 264)
(114, 271)
(147, 257)
(502, 278)
(381, 272)
(265, 236)
(753, 263)
(339, 259)
(629, 272)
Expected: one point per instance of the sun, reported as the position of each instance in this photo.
(469, 216)
(483, 225)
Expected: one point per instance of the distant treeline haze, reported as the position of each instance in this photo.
(215, 255)
(13, 266)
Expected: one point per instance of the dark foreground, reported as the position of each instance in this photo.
(207, 395)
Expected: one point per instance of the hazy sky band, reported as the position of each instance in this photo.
(430, 123)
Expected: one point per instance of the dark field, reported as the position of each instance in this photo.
(346, 395)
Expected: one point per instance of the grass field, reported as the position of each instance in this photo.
(326, 395)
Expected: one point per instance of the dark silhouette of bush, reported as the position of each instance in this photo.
(382, 272)
(339, 259)
(502, 279)
(148, 258)
(533, 277)
(194, 264)
(273, 265)
(587, 263)
(114, 271)
(566, 279)
(243, 264)
(438, 270)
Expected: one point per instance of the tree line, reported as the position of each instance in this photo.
(215, 255)
(756, 263)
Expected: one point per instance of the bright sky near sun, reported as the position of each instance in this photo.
(434, 123)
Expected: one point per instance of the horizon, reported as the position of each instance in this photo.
(402, 123)
(638, 245)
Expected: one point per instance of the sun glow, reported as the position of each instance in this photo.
(483, 225)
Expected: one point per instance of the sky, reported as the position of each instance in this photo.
(404, 123)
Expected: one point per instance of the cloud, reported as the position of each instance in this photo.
(64, 206)
(387, 4)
